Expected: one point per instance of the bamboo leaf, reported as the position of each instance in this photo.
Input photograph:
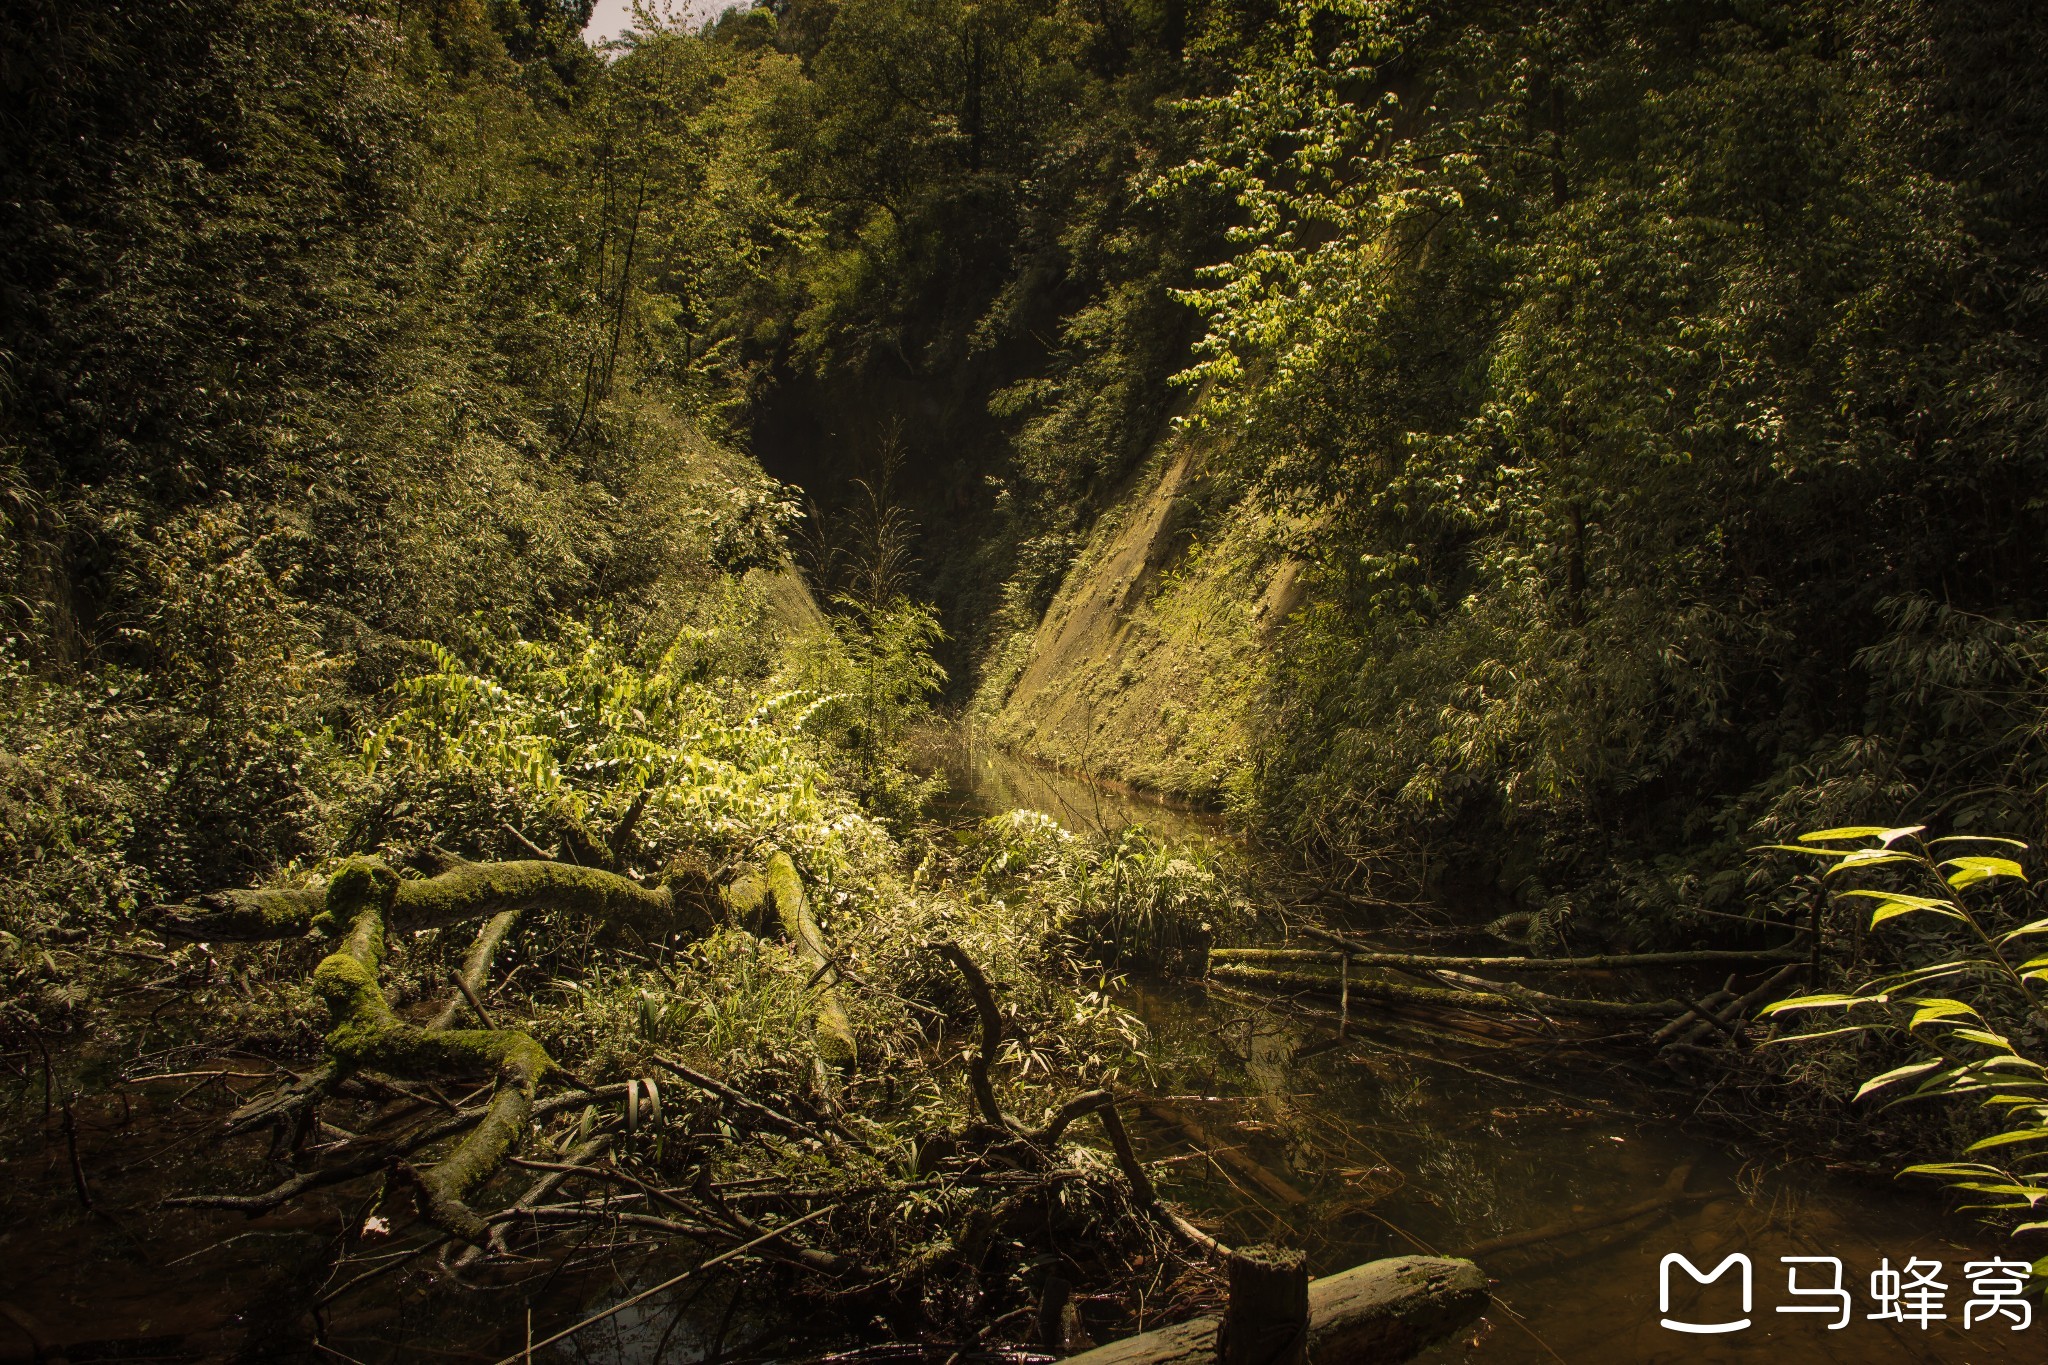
(1894, 908)
(1816, 1002)
(1897, 1073)
(1931, 1009)
(2009, 1139)
(1796, 848)
(1868, 857)
(1971, 870)
(1977, 1035)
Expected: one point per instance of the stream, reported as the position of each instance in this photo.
(1269, 1126)
(1394, 1139)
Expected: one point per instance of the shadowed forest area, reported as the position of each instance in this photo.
(777, 685)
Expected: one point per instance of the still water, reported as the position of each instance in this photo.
(1397, 1138)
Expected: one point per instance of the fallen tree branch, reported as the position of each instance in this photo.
(1228, 1153)
(476, 970)
(782, 1122)
(1362, 956)
(472, 891)
(1381, 1312)
(1519, 1001)
(991, 1017)
(777, 886)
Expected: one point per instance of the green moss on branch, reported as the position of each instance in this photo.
(778, 888)
(470, 891)
(365, 1033)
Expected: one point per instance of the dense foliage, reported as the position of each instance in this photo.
(1658, 380)
(1650, 393)
(1646, 398)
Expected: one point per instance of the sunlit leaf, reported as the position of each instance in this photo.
(1899, 1073)
(1927, 1010)
(1868, 857)
(2008, 1139)
(1816, 1002)
(1970, 871)
(1812, 1037)
(1955, 1168)
(1892, 909)
(1795, 848)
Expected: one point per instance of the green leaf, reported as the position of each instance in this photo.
(1868, 857)
(1952, 1168)
(1812, 1037)
(1816, 1002)
(1849, 832)
(2008, 1139)
(1795, 848)
(1977, 1035)
(1892, 909)
(1970, 871)
(1978, 839)
(1872, 894)
(1897, 1073)
(1930, 1009)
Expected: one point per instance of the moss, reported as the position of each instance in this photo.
(746, 900)
(364, 1032)
(479, 889)
(471, 891)
(245, 916)
(833, 1030)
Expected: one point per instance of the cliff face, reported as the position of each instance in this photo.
(1148, 663)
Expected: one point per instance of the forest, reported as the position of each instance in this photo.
(979, 681)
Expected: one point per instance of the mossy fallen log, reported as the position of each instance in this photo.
(364, 901)
(470, 891)
(1513, 999)
(776, 888)
(1379, 1312)
(364, 1033)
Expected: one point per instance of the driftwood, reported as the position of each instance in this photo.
(1730, 1018)
(1364, 957)
(999, 1128)
(359, 906)
(1514, 999)
(1383, 1311)
(469, 892)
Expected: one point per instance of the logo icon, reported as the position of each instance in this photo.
(1702, 1328)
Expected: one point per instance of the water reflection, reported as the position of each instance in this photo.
(984, 780)
(1568, 1176)
(1396, 1150)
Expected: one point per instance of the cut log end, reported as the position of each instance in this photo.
(1383, 1311)
(1266, 1321)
